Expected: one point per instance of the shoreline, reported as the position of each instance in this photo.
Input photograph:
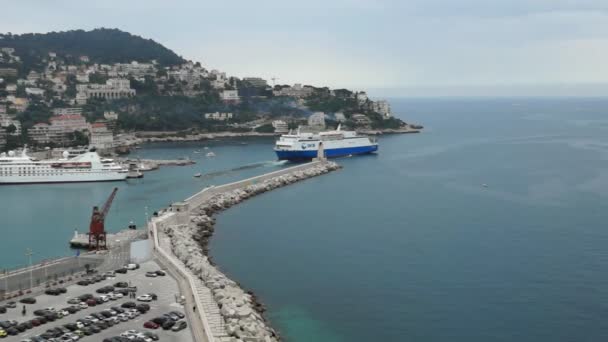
(242, 311)
(137, 138)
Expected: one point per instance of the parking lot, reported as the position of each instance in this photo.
(165, 288)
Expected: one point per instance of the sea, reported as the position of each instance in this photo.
(490, 225)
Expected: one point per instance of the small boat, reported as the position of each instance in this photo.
(206, 148)
(210, 154)
(197, 151)
(484, 185)
(197, 175)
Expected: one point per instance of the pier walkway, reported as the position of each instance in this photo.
(207, 322)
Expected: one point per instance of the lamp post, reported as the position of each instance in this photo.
(29, 253)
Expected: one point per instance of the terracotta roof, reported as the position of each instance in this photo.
(98, 125)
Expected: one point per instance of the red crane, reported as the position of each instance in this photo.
(97, 231)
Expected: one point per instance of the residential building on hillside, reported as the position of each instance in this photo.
(256, 82)
(110, 115)
(40, 133)
(115, 88)
(69, 123)
(6, 121)
(382, 107)
(297, 91)
(34, 91)
(68, 111)
(280, 126)
(317, 120)
(361, 119)
(8, 72)
(230, 96)
(362, 97)
(101, 137)
(218, 116)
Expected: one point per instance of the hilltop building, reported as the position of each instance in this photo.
(256, 82)
(230, 96)
(280, 126)
(115, 88)
(297, 91)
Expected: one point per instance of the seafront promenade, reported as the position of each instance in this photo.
(218, 308)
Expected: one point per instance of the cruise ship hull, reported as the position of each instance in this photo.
(65, 178)
(296, 155)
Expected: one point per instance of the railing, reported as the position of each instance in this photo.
(179, 266)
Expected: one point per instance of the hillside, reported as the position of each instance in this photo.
(105, 46)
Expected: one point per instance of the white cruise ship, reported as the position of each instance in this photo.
(338, 143)
(86, 167)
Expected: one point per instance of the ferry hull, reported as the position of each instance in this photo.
(329, 153)
(65, 178)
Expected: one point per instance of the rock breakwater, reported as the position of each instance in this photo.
(241, 311)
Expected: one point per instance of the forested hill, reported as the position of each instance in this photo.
(105, 46)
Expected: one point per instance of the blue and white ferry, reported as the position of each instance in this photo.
(338, 143)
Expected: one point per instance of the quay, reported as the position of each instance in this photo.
(112, 239)
(218, 308)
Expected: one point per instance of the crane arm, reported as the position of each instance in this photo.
(108, 204)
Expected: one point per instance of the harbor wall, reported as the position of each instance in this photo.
(181, 234)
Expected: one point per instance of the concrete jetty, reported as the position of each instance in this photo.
(82, 240)
(181, 234)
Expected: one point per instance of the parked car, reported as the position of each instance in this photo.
(11, 305)
(145, 298)
(161, 273)
(178, 314)
(151, 274)
(28, 300)
(128, 305)
(168, 324)
(121, 270)
(150, 325)
(151, 335)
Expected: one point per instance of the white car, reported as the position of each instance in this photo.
(123, 317)
(104, 298)
(92, 319)
(131, 267)
(79, 325)
(118, 295)
(135, 312)
(65, 312)
(83, 305)
(145, 298)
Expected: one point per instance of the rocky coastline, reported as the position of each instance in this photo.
(240, 309)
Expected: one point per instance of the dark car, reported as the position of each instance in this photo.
(50, 316)
(106, 314)
(83, 282)
(160, 320)
(12, 331)
(98, 315)
(2, 309)
(42, 319)
(91, 302)
(71, 309)
(87, 330)
(21, 327)
(121, 284)
(52, 292)
(123, 291)
(35, 322)
(143, 308)
(168, 324)
(105, 289)
(98, 300)
(11, 305)
(85, 296)
(128, 305)
(71, 326)
(121, 270)
(160, 273)
(102, 325)
(179, 326)
(94, 328)
(28, 300)
(62, 289)
(117, 309)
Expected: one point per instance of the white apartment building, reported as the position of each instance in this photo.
(297, 91)
(317, 120)
(34, 91)
(382, 107)
(218, 116)
(230, 96)
(101, 137)
(68, 111)
(280, 126)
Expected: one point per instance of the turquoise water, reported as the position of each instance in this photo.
(404, 245)
(409, 245)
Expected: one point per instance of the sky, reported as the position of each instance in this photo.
(388, 47)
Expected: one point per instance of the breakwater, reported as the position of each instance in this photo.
(182, 233)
